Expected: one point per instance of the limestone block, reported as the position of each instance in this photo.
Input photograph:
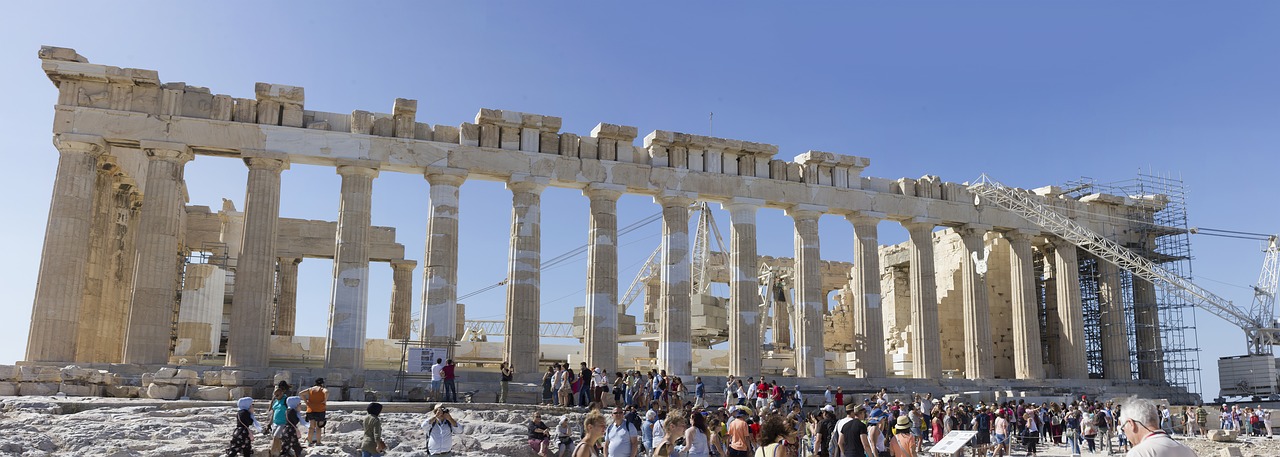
(279, 93)
(291, 115)
(1223, 435)
(40, 374)
(211, 393)
(469, 134)
(8, 373)
(164, 391)
(383, 126)
(549, 143)
(319, 125)
(122, 391)
(509, 137)
(696, 160)
(447, 134)
(197, 104)
(269, 112)
(422, 131)
(232, 378)
(223, 107)
(606, 149)
(678, 157)
(588, 148)
(246, 110)
(211, 378)
(569, 145)
(165, 374)
(148, 378)
(489, 135)
(110, 379)
(8, 389)
(184, 373)
(777, 169)
(1231, 451)
(658, 156)
(361, 122)
(81, 390)
(530, 140)
(96, 377)
(73, 373)
(240, 392)
(793, 172)
(37, 388)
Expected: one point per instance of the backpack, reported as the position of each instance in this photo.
(1100, 420)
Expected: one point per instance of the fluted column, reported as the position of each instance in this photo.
(112, 330)
(524, 274)
(287, 302)
(1115, 339)
(744, 288)
(1027, 360)
(440, 262)
(64, 258)
(810, 352)
(675, 340)
(979, 361)
(926, 344)
(1146, 327)
(401, 299)
(1070, 313)
(349, 310)
(601, 327)
(101, 247)
(252, 301)
(156, 273)
(864, 286)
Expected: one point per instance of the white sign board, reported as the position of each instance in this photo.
(421, 359)
(953, 442)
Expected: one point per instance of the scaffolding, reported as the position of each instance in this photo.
(1155, 217)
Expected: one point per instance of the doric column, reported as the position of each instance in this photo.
(926, 344)
(200, 314)
(349, 310)
(287, 302)
(440, 262)
(524, 274)
(979, 362)
(1070, 313)
(1027, 361)
(115, 315)
(1146, 327)
(810, 352)
(401, 299)
(156, 277)
(64, 259)
(864, 286)
(249, 342)
(744, 288)
(601, 325)
(1115, 339)
(675, 339)
(101, 248)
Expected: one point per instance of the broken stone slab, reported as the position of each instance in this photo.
(1231, 451)
(211, 378)
(8, 373)
(208, 393)
(239, 392)
(1224, 436)
(165, 373)
(80, 390)
(164, 391)
(37, 388)
(8, 389)
(121, 391)
(40, 374)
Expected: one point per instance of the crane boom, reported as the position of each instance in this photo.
(990, 191)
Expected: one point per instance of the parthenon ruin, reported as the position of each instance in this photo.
(970, 300)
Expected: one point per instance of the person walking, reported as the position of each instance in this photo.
(277, 409)
(697, 438)
(593, 428)
(290, 445)
(740, 442)
(439, 429)
(507, 373)
(317, 399)
(241, 438)
(437, 378)
(903, 443)
(621, 438)
(584, 390)
(673, 427)
(372, 444)
(547, 385)
(450, 381)
(699, 393)
(1140, 423)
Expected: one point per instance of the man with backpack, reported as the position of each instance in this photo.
(622, 438)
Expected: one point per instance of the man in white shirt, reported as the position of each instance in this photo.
(437, 377)
(828, 397)
(440, 429)
(751, 390)
(1139, 422)
(835, 434)
(621, 438)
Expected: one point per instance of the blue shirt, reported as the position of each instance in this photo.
(699, 390)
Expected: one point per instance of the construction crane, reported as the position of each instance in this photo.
(1257, 321)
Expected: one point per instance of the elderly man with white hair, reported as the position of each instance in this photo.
(1140, 423)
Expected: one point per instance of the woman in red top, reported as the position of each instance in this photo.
(839, 397)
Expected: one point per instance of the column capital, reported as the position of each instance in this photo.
(74, 142)
(917, 223)
(289, 260)
(445, 176)
(672, 199)
(527, 183)
(741, 202)
(272, 164)
(109, 165)
(1019, 235)
(166, 151)
(609, 192)
(403, 264)
(357, 170)
(972, 230)
(806, 211)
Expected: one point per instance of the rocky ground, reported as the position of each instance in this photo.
(39, 426)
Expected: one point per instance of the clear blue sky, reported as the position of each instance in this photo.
(1034, 93)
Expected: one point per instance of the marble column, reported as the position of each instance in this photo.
(252, 299)
(601, 329)
(979, 362)
(349, 310)
(1070, 313)
(155, 280)
(864, 286)
(744, 288)
(401, 299)
(1027, 360)
(524, 274)
(115, 314)
(287, 303)
(675, 339)
(440, 262)
(200, 314)
(926, 343)
(810, 352)
(101, 247)
(64, 258)
(1114, 334)
(1146, 327)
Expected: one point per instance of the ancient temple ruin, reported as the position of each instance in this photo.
(969, 301)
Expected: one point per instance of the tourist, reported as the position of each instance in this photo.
(697, 438)
(852, 441)
(699, 393)
(583, 388)
(317, 398)
(619, 389)
(778, 438)
(646, 428)
(903, 443)
(277, 408)
(797, 398)
(935, 428)
(547, 385)
(829, 397)
(566, 386)
(1202, 419)
(659, 427)
(437, 378)
(539, 439)
(1265, 415)
(372, 445)
(621, 438)
(876, 436)
(593, 427)
(1072, 430)
(1032, 426)
(506, 373)
(719, 438)
(1139, 421)
(740, 442)
(440, 428)
(1000, 434)
(241, 439)
(741, 394)
(673, 428)
(564, 437)
(450, 381)
(1089, 428)
(290, 445)
(826, 428)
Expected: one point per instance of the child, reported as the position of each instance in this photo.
(241, 439)
(289, 436)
